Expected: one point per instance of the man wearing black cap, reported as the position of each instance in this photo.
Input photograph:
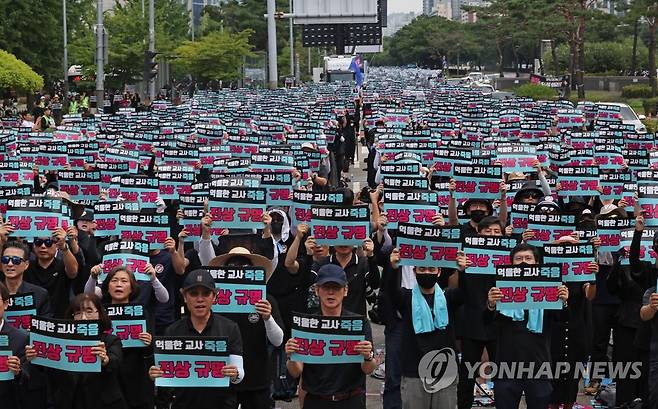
(334, 385)
(198, 293)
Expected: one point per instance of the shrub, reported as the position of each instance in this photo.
(636, 91)
(14, 73)
(650, 106)
(536, 91)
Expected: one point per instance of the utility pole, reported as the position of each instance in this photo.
(151, 85)
(66, 58)
(271, 44)
(100, 74)
(292, 45)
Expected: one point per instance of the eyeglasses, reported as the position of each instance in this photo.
(41, 242)
(88, 313)
(15, 260)
(204, 292)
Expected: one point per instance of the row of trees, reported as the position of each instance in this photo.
(510, 32)
(229, 33)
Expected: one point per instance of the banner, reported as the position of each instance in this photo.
(192, 362)
(529, 287)
(238, 289)
(410, 206)
(574, 259)
(129, 254)
(327, 340)
(487, 252)
(303, 201)
(237, 207)
(65, 344)
(106, 216)
(128, 321)
(151, 227)
(425, 246)
(482, 182)
(20, 310)
(340, 226)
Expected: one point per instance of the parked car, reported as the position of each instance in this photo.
(628, 116)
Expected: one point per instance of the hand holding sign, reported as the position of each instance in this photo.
(101, 352)
(14, 364)
(264, 308)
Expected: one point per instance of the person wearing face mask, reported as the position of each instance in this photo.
(476, 209)
(523, 336)
(425, 312)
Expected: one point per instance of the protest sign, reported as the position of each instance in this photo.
(133, 255)
(550, 227)
(529, 287)
(175, 181)
(81, 185)
(340, 226)
(278, 186)
(20, 310)
(303, 201)
(195, 362)
(487, 252)
(34, 217)
(482, 182)
(142, 189)
(425, 246)
(519, 216)
(238, 289)
(573, 258)
(65, 344)
(327, 340)
(410, 206)
(5, 352)
(237, 207)
(578, 181)
(106, 216)
(609, 231)
(148, 226)
(128, 321)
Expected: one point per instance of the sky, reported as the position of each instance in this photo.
(398, 6)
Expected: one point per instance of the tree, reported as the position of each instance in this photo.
(128, 35)
(649, 10)
(216, 56)
(15, 74)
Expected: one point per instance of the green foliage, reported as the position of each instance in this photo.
(604, 57)
(15, 74)
(216, 56)
(128, 31)
(536, 91)
(636, 91)
(650, 106)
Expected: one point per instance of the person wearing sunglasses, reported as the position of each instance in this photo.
(13, 263)
(198, 292)
(56, 266)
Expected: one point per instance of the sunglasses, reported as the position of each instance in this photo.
(15, 260)
(41, 242)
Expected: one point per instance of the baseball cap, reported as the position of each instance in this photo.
(87, 215)
(331, 273)
(199, 278)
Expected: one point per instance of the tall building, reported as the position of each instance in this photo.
(443, 8)
(396, 21)
(196, 9)
(428, 5)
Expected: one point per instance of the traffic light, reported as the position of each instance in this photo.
(150, 66)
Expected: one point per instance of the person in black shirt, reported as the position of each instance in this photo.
(524, 341)
(198, 293)
(18, 339)
(55, 267)
(476, 209)
(14, 263)
(648, 314)
(334, 386)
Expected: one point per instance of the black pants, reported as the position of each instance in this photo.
(357, 402)
(471, 354)
(259, 399)
(604, 320)
(624, 351)
(508, 393)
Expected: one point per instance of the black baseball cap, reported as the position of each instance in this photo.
(331, 273)
(199, 278)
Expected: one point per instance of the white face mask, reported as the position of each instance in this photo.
(608, 208)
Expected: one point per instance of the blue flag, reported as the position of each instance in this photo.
(355, 67)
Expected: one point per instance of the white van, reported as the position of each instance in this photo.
(628, 116)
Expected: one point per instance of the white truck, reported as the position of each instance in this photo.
(337, 69)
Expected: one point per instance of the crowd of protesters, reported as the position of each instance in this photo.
(426, 309)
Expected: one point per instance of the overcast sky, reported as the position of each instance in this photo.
(397, 6)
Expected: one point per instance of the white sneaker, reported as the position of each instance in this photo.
(380, 372)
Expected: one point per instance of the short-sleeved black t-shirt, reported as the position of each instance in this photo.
(208, 398)
(54, 279)
(330, 379)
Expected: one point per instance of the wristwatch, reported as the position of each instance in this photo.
(370, 357)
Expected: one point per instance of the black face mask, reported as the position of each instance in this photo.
(276, 227)
(426, 281)
(478, 215)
